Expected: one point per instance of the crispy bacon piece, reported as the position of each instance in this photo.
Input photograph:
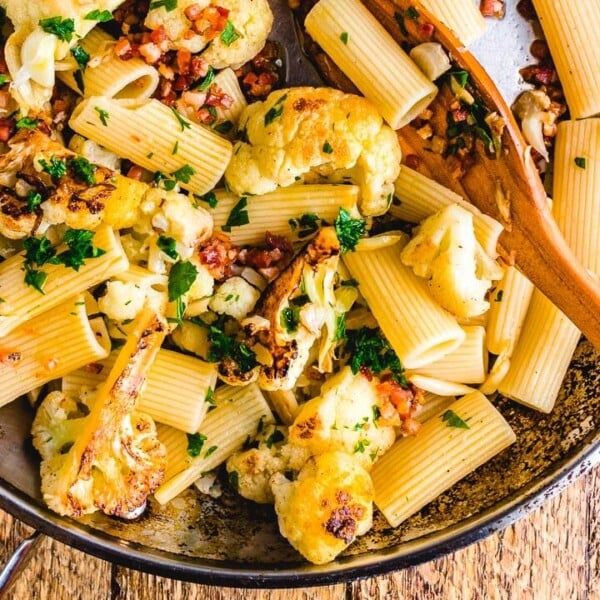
(218, 254)
(492, 8)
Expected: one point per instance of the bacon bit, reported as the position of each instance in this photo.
(5, 99)
(218, 98)
(218, 254)
(193, 12)
(135, 172)
(210, 22)
(277, 248)
(194, 100)
(159, 35)
(150, 52)
(259, 85)
(412, 161)
(460, 114)
(366, 373)
(124, 49)
(183, 61)
(538, 74)
(492, 8)
(198, 67)
(95, 368)
(427, 29)
(410, 426)
(7, 129)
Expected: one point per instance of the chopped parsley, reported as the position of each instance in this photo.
(274, 438)
(361, 446)
(103, 115)
(307, 224)
(3, 79)
(210, 398)
(168, 245)
(83, 169)
(38, 251)
(229, 34)
(168, 184)
(175, 147)
(102, 16)
(207, 81)
(63, 29)
(82, 58)
(368, 349)
(210, 199)
(344, 37)
(340, 327)
(399, 17)
(56, 168)
(581, 162)
(349, 230)
(34, 199)
(461, 77)
(184, 174)
(210, 451)
(327, 148)
(451, 419)
(499, 296)
(412, 13)
(80, 248)
(182, 122)
(26, 123)
(224, 346)
(349, 283)
(238, 215)
(168, 5)
(195, 443)
(224, 127)
(234, 480)
(290, 318)
(275, 111)
(35, 278)
(181, 277)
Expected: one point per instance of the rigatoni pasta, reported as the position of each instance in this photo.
(449, 446)
(370, 57)
(462, 16)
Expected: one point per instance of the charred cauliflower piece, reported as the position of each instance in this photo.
(328, 505)
(293, 329)
(250, 471)
(41, 181)
(345, 417)
(110, 459)
(446, 252)
(308, 133)
(232, 31)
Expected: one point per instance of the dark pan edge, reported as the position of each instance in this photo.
(409, 554)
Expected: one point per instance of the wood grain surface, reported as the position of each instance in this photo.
(553, 554)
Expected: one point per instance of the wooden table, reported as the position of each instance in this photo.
(552, 554)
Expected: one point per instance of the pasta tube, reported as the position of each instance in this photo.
(108, 75)
(571, 29)
(294, 212)
(416, 470)
(155, 137)
(371, 58)
(418, 329)
(462, 16)
(239, 414)
(22, 302)
(49, 346)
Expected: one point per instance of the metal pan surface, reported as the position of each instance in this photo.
(236, 543)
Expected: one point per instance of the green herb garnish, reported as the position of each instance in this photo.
(181, 277)
(168, 245)
(226, 347)
(207, 81)
(327, 148)
(238, 215)
(184, 174)
(102, 16)
(195, 443)
(168, 5)
(83, 169)
(80, 248)
(210, 198)
(229, 34)
(344, 37)
(34, 199)
(453, 420)
(56, 168)
(581, 162)
(103, 114)
(349, 230)
(275, 111)
(290, 318)
(182, 122)
(63, 29)
(81, 56)
(307, 224)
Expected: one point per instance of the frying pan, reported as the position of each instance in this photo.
(228, 541)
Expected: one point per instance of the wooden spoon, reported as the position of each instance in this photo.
(506, 187)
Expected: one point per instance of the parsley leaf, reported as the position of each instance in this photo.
(63, 29)
(26, 123)
(80, 248)
(340, 327)
(38, 251)
(224, 127)
(327, 148)
(102, 16)
(83, 169)
(181, 277)
(184, 174)
(55, 168)
(274, 438)
(224, 346)
(308, 224)
(344, 37)
(4, 79)
(182, 122)
(368, 349)
(229, 34)
(81, 56)
(290, 318)
(348, 230)
(210, 199)
(195, 443)
(168, 5)
(34, 199)
(34, 278)
(238, 215)
(103, 114)
(581, 162)
(275, 111)
(453, 420)
(168, 246)
(207, 81)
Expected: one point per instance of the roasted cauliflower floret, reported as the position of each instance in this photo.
(110, 459)
(232, 31)
(533, 110)
(306, 133)
(234, 297)
(446, 252)
(290, 330)
(328, 505)
(250, 471)
(345, 417)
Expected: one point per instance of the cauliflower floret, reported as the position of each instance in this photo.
(328, 505)
(95, 153)
(316, 132)
(532, 108)
(344, 417)
(122, 301)
(110, 459)
(250, 471)
(234, 297)
(246, 29)
(447, 253)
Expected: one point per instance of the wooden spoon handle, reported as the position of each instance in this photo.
(507, 187)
